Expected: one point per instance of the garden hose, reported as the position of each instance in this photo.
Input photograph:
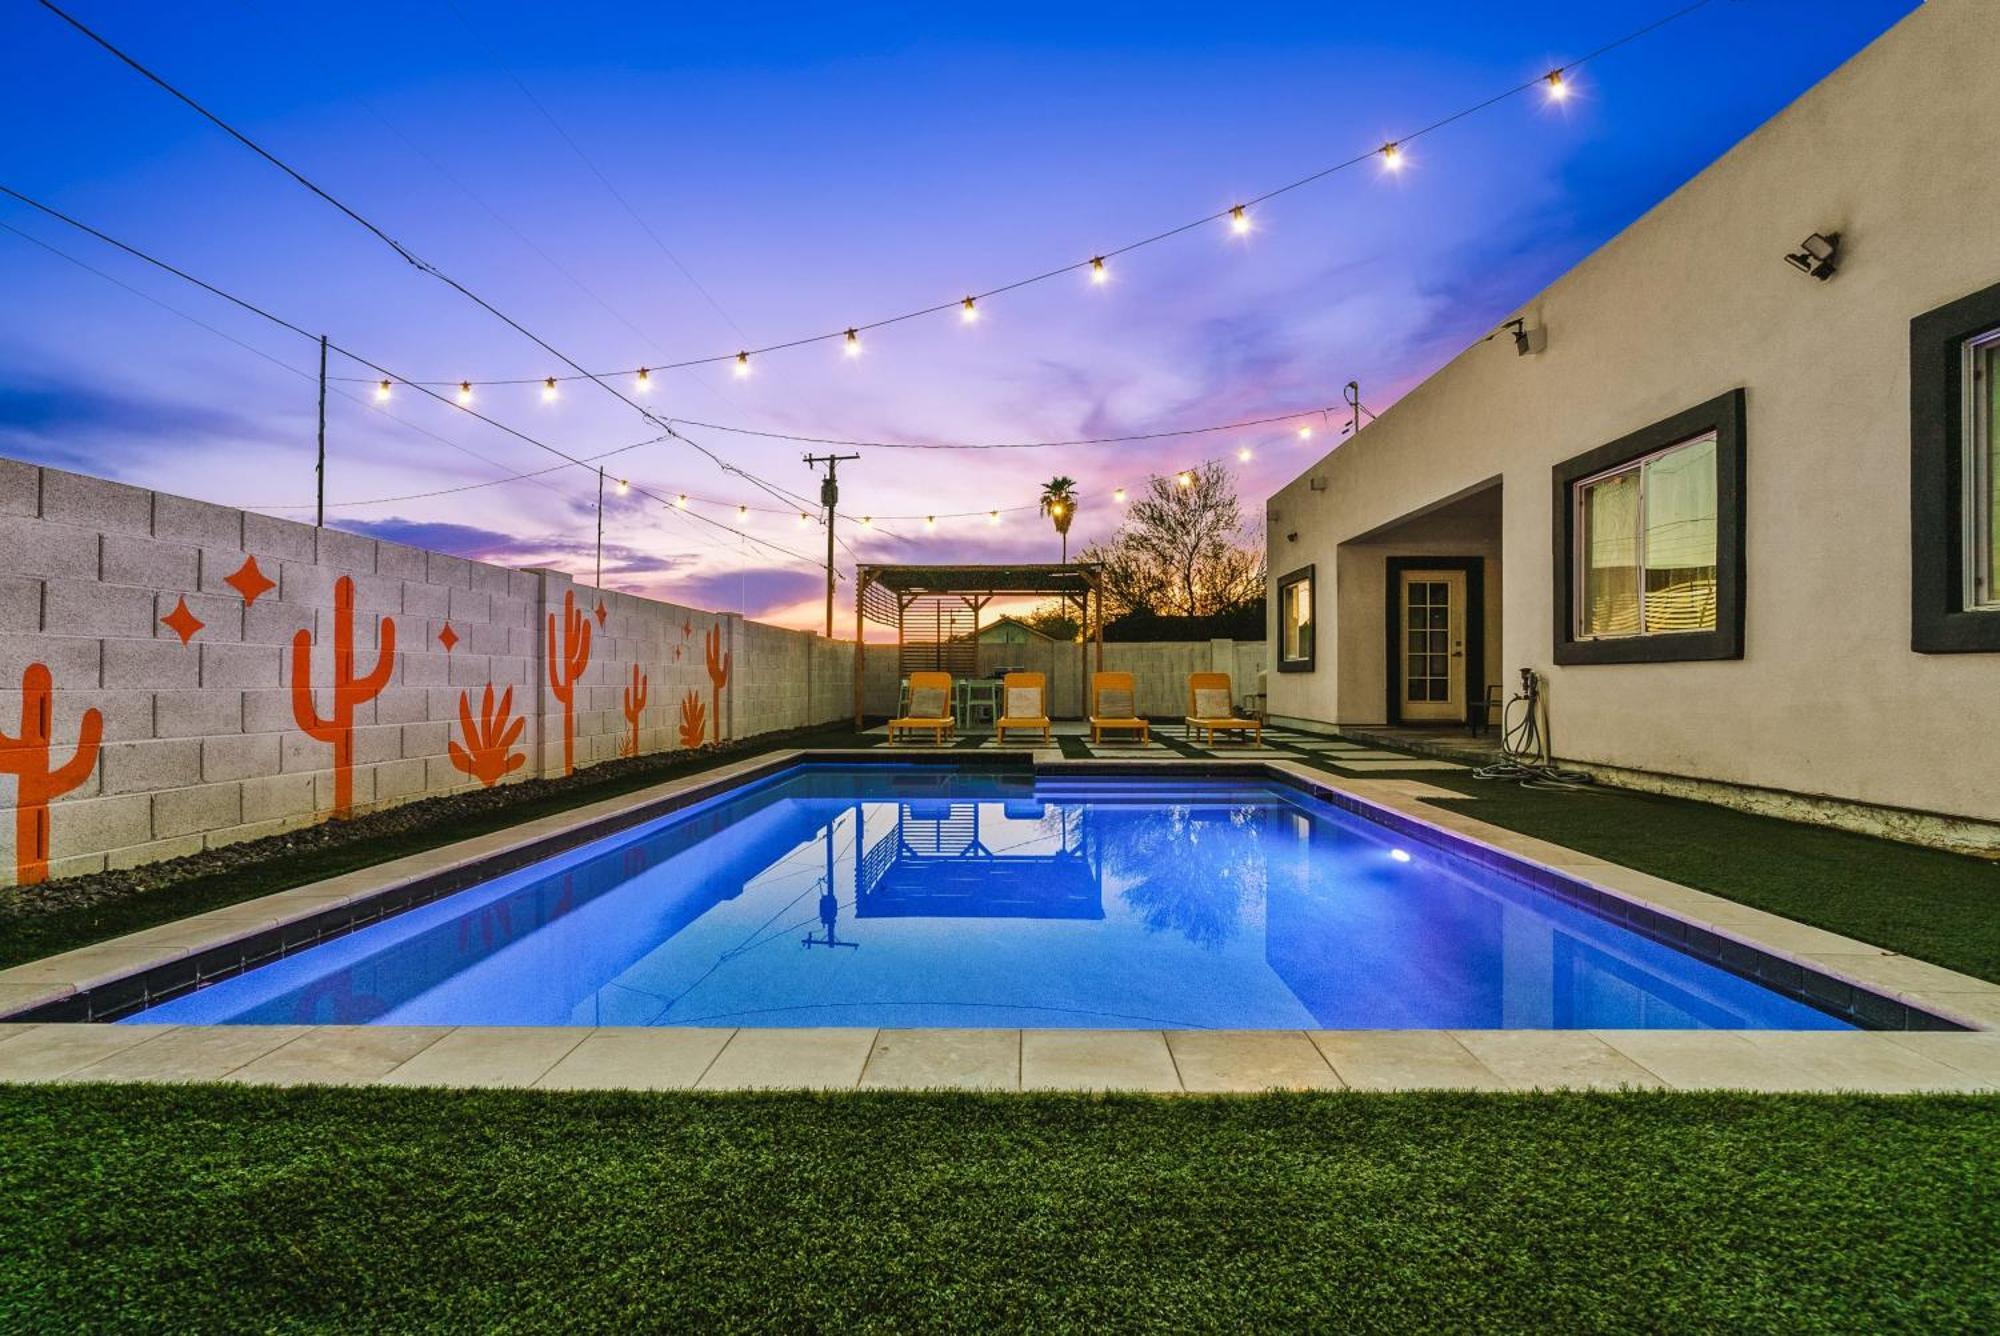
(1524, 743)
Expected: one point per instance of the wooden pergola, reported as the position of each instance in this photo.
(900, 596)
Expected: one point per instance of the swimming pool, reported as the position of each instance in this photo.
(919, 896)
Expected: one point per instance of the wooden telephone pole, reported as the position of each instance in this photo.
(829, 499)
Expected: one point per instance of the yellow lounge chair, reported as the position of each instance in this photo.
(930, 708)
(1114, 704)
(1210, 709)
(1024, 704)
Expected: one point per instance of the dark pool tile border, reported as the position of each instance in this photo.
(1823, 992)
(158, 983)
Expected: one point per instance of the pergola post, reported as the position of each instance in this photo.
(861, 577)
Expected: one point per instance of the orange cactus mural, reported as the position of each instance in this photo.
(694, 719)
(718, 672)
(337, 728)
(566, 665)
(26, 757)
(488, 754)
(635, 705)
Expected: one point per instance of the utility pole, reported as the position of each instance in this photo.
(600, 526)
(319, 470)
(829, 498)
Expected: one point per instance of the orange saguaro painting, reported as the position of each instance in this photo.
(337, 728)
(694, 719)
(718, 672)
(566, 665)
(488, 754)
(26, 757)
(635, 705)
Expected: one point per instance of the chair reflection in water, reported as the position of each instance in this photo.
(963, 859)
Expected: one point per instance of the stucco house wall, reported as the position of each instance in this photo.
(1897, 152)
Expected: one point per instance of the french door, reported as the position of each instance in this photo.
(1431, 645)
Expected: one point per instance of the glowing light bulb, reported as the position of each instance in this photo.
(930, 521)
(1057, 509)
(742, 514)
(742, 365)
(1306, 432)
(382, 393)
(549, 390)
(681, 501)
(1558, 89)
(465, 391)
(867, 521)
(968, 310)
(1098, 273)
(1392, 156)
(802, 519)
(1119, 496)
(1239, 220)
(643, 381)
(853, 343)
(992, 517)
(1243, 453)
(624, 486)
(1184, 479)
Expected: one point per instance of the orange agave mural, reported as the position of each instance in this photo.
(337, 729)
(566, 665)
(694, 719)
(26, 757)
(488, 754)
(635, 705)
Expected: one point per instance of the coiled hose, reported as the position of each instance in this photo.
(1524, 743)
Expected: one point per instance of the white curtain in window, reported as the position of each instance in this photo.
(1611, 556)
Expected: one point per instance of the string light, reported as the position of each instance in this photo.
(624, 486)
(1119, 496)
(1098, 273)
(853, 343)
(1239, 219)
(1392, 156)
(382, 393)
(867, 521)
(992, 517)
(681, 501)
(742, 365)
(465, 391)
(968, 310)
(1558, 89)
(549, 390)
(802, 519)
(1306, 432)
(1185, 479)
(1243, 454)
(742, 514)
(1057, 509)
(930, 521)
(643, 381)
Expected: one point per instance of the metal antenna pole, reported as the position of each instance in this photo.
(829, 497)
(319, 469)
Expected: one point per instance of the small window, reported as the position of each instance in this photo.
(1649, 542)
(1646, 545)
(1295, 622)
(1982, 471)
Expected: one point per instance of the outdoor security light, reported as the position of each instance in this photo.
(1816, 255)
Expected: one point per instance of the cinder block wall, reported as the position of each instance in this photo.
(148, 641)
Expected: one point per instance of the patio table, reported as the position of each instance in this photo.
(974, 694)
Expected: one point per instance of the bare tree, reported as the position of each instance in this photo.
(1182, 550)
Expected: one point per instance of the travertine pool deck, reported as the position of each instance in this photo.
(1175, 1061)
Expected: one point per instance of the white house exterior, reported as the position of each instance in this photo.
(1738, 518)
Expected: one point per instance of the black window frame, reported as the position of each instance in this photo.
(1940, 623)
(1723, 416)
(1310, 663)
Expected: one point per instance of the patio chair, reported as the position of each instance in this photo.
(1114, 704)
(930, 708)
(1210, 711)
(1025, 705)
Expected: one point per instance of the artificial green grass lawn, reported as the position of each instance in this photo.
(1926, 903)
(215, 1207)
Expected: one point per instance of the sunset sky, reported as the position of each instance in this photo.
(641, 186)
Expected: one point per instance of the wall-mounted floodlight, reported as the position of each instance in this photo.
(1817, 255)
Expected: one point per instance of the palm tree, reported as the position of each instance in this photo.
(1059, 504)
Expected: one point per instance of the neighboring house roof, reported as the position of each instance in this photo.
(1008, 624)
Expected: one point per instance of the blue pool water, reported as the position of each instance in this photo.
(911, 896)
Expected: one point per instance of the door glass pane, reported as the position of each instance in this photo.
(1610, 558)
(1679, 541)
